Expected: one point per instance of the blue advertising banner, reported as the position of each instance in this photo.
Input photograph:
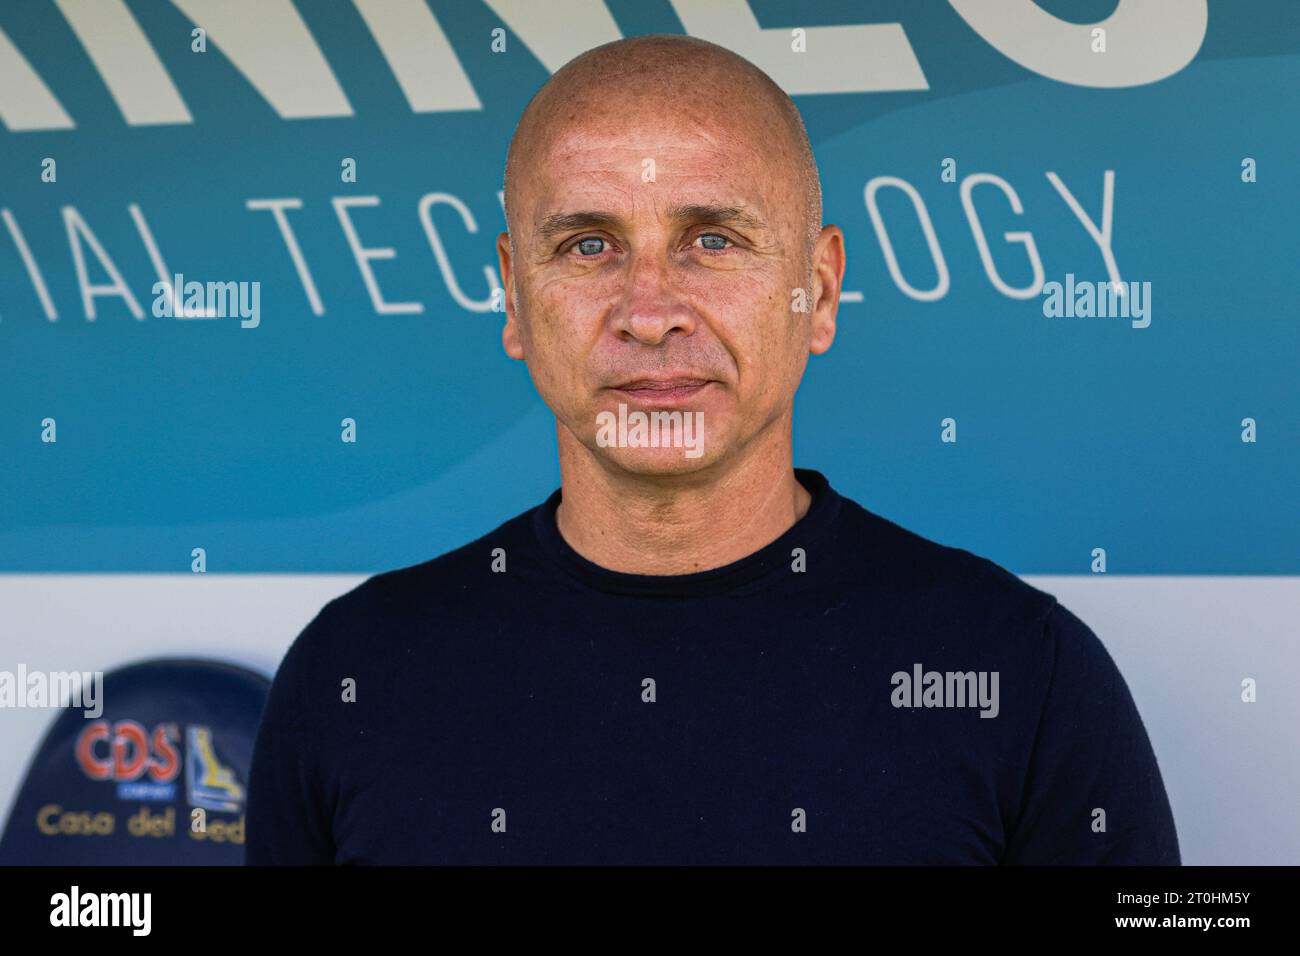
(1071, 233)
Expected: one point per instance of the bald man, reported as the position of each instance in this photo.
(692, 652)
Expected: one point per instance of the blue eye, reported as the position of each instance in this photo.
(591, 246)
(712, 240)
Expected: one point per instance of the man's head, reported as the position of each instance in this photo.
(665, 248)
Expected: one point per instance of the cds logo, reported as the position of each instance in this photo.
(124, 752)
(145, 766)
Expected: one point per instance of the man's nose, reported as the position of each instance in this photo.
(653, 303)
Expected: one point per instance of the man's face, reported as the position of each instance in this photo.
(660, 263)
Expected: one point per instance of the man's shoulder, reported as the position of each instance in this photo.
(903, 562)
(390, 603)
(434, 582)
(958, 601)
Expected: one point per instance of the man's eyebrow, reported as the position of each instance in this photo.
(569, 221)
(721, 215)
(717, 214)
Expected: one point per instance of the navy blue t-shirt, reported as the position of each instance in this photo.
(850, 693)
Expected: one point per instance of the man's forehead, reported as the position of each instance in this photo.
(630, 175)
(614, 143)
(620, 130)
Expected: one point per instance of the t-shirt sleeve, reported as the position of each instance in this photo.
(1093, 792)
(288, 816)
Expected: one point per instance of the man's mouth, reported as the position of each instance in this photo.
(664, 391)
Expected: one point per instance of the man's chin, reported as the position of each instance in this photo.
(656, 441)
(657, 462)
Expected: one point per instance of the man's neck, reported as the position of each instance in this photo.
(638, 525)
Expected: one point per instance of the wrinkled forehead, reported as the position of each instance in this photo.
(634, 164)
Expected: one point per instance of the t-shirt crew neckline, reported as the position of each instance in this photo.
(767, 560)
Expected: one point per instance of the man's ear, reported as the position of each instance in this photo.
(828, 283)
(510, 340)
